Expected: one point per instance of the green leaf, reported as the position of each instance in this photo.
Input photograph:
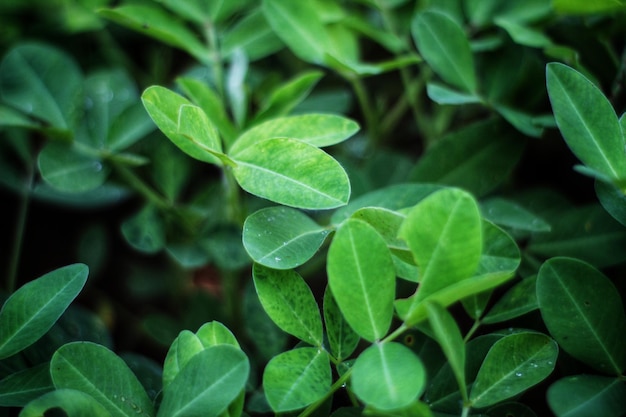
(316, 129)
(296, 378)
(576, 301)
(145, 231)
(67, 402)
(289, 302)
(287, 96)
(523, 34)
(585, 395)
(32, 310)
(613, 200)
(587, 121)
(483, 12)
(282, 237)
(68, 169)
(509, 409)
(444, 232)
(157, 23)
(183, 348)
(111, 382)
(207, 384)
(585, 7)
(514, 364)
(517, 301)
(298, 24)
(526, 123)
(388, 376)
(129, 126)
(508, 214)
(341, 338)
(197, 11)
(361, 276)
(215, 333)
(293, 173)
(444, 46)
(449, 337)
(43, 82)
(441, 94)
(18, 389)
(476, 158)
(253, 34)
(268, 339)
(387, 223)
(186, 125)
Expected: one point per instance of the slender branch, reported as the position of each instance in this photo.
(341, 381)
(135, 182)
(472, 330)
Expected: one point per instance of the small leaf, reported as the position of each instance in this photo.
(444, 46)
(44, 82)
(587, 121)
(253, 34)
(575, 300)
(18, 389)
(293, 173)
(68, 169)
(289, 302)
(388, 376)
(111, 382)
(296, 378)
(341, 338)
(215, 333)
(361, 276)
(184, 124)
(183, 348)
(586, 395)
(514, 364)
(32, 310)
(613, 200)
(145, 231)
(208, 383)
(314, 128)
(517, 301)
(441, 94)
(282, 237)
(511, 215)
(67, 402)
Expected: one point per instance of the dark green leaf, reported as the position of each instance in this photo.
(585, 395)
(145, 231)
(613, 200)
(66, 402)
(519, 300)
(584, 312)
(341, 338)
(68, 169)
(511, 409)
(511, 215)
(254, 35)
(267, 338)
(288, 300)
(35, 307)
(22, 387)
(441, 94)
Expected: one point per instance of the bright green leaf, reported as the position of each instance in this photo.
(296, 378)
(587, 121)
(215, 333)
(18, 389)
(207, 384)
(445, 47)
(341, 338)
(361, 276)
(584, 7)
(72, 403)
(583, 310)
(388, 376)
(68, 169)
(183, 348)
(514, 364)
(98, 372)
(587, 395)
(32, 310)
(293, 173)
(282, 237)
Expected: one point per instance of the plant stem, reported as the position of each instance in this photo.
(20, 226)
(341, 381)
(472, 330)
(141, 187)
(369, 114)
(216, 58)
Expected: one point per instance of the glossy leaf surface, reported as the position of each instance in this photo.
(361, 276)
(32, 310)
(584, 313)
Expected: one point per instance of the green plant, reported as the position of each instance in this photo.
(277, 277)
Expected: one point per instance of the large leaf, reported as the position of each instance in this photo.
(67, 402)
(43, 82)
(299, 25)
(293, 173)
(98, 372)
(514, 364)
(444, 46)
(207, 384)
(584, 313)
(587, 395)
(587, 121)
(388, 376)
(288, 300)
(32, 310)
(296, 378)
(361, 277)
(315, 128)
(186, 125)
(342, 339)
(282, 237)
(20, 388)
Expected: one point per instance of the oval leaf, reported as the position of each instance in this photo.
(513, 364)
(388, 376)
(293, 173)
(73, 403)
(587, 395)
(18, 389)
(296, 378)
(575, 300)
(361, 276)
(32, 310)
(288, 300)
(587, 121)
(98, 372)
(341, 338)
(210, 381)
(281, 237)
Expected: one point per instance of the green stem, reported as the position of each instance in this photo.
(472, 330)
(369, 114)
(216, 57)
(466, 411)
(20, 226)
(338, 384)
(135, 182)
(234, 209)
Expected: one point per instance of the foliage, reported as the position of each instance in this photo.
(313, 208)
